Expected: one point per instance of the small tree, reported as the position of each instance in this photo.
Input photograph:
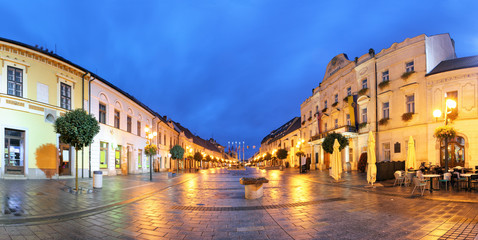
(281, 155)
(208, 160)
(78, 129)
(198, 157)
(177, 153)
(328, 144)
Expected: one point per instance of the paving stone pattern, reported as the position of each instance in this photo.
(211, 205)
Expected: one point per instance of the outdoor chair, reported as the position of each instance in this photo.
(458, 181)
(419, 184)
(474, 181)
(446, 179)
(399, 178)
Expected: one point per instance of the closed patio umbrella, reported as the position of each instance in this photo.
(336, 171)
(411, 158)
(371, 167)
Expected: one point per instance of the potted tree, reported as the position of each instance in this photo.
(281, 154)
(78, 129)
(177, 153)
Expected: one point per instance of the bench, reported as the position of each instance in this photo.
(253, 187)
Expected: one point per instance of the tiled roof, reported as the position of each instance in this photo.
(283, 130)
(454, 64)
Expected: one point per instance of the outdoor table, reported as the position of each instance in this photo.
(468, 176)
(431, 176)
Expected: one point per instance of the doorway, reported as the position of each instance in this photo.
(326, 160)
(456, 152)
(14, 152)
(64, 155)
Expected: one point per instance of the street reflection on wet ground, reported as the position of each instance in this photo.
(211, 205)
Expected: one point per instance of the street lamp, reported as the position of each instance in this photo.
(450, 104)
(150, 135)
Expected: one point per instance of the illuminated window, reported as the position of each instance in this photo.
(140, 158)
(103, 155)
(118, 157)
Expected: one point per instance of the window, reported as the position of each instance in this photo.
(138, 128)
(386, 110)
(386, 151)
(364, 84)
(325, 127)
(336, 98)
(128, 124)
(385, 76)
(118, 157)
(102, 113)
(310, 114)
(164, 139)
(317, 109)
(364, 115)
(396, 147)
(349, 91)
(325, 104)
(411, 103)
(140, 158)
(409, 67)
(159, 138)
(15, 81)
(103, 155)
(348, 119)
(336, 123)
(65, 96)
(117, 119)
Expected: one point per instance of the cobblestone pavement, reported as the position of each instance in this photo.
(211, 205)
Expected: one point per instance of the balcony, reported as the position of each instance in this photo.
(341, 129)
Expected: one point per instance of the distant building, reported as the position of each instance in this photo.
(393, 93)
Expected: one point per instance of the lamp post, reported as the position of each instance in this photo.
(150, 135)
(450, 104)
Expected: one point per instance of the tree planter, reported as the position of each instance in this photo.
(383, 84)
(362, 91)
(253, 187)
(383, 121)
(335, 104)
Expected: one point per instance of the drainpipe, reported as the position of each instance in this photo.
(376, 110)
(83, 108)
(89, 112)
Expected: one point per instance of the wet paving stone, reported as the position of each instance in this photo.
(211, 205)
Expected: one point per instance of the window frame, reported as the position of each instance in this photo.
(386, 110)
(129, 123)
(364, 84)
(386, 152)
(410, 66)
(385, 76)
(13, 80)
(66, 97)
(117, 119)
(410, 105)
(102, 113)
(105, 149)
(363, 114)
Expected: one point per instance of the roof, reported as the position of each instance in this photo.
(455, 64)
(60, 58)
(283, 130)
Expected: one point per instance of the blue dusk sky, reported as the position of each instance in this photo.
(229, 69)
